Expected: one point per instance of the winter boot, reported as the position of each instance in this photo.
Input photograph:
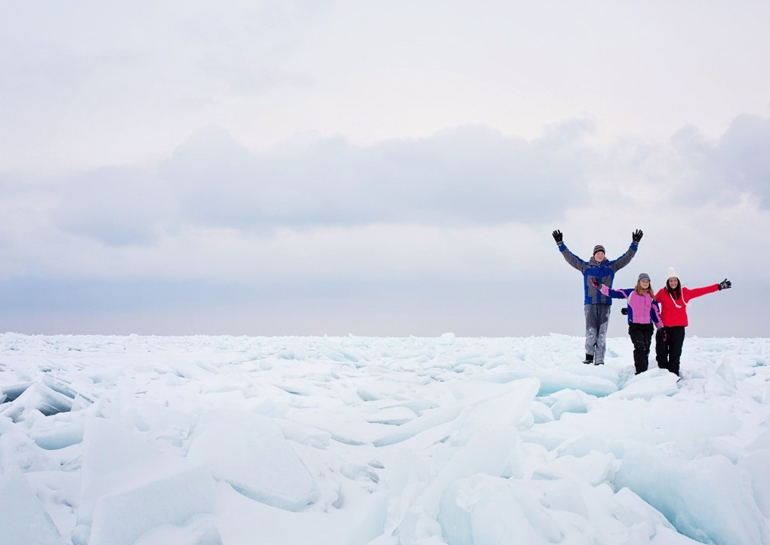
(589, 359)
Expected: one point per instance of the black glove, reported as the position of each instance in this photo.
(637, 235)
(593, 281)
(662, 335)
(624, 311)
(557, 236)
(725, 284)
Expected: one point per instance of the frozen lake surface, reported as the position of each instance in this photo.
(382, 441)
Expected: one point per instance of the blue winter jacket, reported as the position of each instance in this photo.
(604, 272)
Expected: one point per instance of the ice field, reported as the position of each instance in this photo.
(382, 441)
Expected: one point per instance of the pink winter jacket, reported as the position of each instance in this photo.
(642, 309)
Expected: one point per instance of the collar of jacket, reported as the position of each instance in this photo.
(595, 263)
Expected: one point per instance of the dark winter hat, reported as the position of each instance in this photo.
(643, 276)
(598, 248)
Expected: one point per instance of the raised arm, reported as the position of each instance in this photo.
(569, 257)
(626, 258)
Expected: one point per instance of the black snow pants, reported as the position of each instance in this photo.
(669, 351)
(641, 336)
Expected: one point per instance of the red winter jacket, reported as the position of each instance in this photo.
(674, 313)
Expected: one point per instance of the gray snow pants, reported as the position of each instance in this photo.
(597, 319)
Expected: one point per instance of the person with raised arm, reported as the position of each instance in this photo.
(643, 313)
(673, 300)
(597, 306)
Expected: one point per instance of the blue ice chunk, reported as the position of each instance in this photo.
(707, 499)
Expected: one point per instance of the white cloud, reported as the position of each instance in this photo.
(470, 175)
(467, 175)
(95, 84)
(98, 84)
(742, 156)
(692, 169)
(118, 206)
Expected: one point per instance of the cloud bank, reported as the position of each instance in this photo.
(470, 175)
(459, 221)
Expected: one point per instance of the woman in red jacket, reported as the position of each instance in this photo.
(673, 300)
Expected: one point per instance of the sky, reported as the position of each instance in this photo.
(338, 167)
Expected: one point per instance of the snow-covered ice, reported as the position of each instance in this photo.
(384, 441)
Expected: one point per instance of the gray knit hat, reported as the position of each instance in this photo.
(643, 276)
(598, 248)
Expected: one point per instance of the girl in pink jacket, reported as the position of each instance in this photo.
(643, 313)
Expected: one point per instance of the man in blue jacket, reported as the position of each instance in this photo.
(597, 306)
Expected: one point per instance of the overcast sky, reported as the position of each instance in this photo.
(332, 167)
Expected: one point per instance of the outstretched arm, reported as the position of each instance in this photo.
(688, 293)
(608, 291)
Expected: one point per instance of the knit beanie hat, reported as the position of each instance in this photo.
(671, 273)
(643, 276)
(598, 248)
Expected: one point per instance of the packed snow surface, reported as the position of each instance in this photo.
(383, 441)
